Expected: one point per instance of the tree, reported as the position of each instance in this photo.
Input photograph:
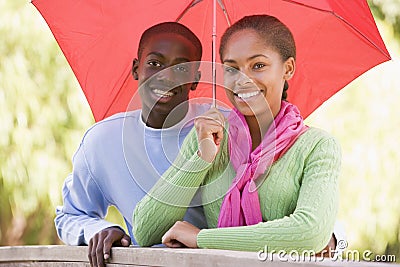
(43, 115)
(389, 11)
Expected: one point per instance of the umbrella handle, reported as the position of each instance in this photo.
(214, 50)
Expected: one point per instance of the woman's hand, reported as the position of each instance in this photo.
(210, 131)
(182, 234)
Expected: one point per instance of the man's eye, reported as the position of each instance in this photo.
(230, 70)
(154, 64)
(181, 68)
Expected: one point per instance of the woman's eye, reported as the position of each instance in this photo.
(154, 64)
(259, 65)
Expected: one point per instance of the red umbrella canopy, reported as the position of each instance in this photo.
(337, 40)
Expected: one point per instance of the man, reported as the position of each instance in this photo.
(121, 157)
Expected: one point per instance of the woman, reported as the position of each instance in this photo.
(266, 179)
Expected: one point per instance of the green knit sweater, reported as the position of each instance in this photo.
(298, 197)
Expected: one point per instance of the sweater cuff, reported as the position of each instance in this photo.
(214, 238)
(230, 238)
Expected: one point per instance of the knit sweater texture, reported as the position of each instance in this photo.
(298, 197)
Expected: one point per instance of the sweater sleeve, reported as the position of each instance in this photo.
(84, 205)
(171, 195)
(309, 227)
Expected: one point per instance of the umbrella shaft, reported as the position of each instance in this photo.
(214, 50)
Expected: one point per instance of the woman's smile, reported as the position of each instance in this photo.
(246, 95)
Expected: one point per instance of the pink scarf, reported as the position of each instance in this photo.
(241, 205)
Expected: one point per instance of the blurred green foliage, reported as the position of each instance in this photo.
(389, 11)
(43, 116)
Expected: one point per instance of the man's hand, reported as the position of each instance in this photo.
(101, 243)
(182, 234)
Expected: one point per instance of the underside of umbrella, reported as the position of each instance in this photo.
(336, 42)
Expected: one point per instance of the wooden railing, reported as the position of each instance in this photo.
(71, 256)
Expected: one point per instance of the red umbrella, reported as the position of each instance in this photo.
(337, 40)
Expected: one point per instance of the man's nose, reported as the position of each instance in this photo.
(166, 76)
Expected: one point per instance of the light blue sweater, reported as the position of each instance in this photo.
(117, 162)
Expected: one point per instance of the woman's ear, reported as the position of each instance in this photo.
(290, 68)
(135, 65)
(196, 82)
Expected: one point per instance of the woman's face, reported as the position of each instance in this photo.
(254, 74)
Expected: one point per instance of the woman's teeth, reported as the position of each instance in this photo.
(162, 93)
(247, 95)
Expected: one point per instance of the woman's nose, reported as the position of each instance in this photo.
(243, 79)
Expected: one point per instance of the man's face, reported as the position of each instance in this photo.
(164, 79)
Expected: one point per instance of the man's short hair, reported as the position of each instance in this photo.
(171, 27)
